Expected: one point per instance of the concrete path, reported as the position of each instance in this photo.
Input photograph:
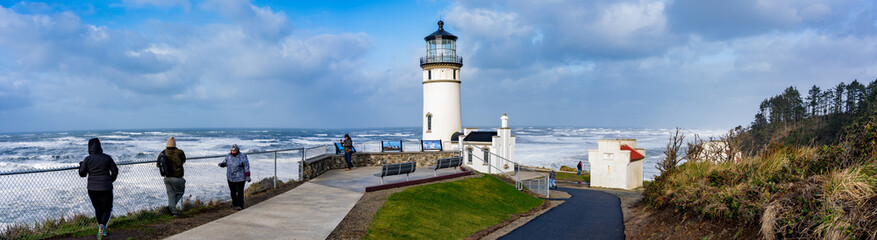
(588, 214)
(309, 211)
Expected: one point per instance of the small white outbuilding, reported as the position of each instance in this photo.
(617, 163)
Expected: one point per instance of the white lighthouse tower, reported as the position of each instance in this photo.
(441, 86)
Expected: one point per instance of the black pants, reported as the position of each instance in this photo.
(237, 193)
(103, 205)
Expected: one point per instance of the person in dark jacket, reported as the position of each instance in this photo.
(174, 182)
(579, 168)
(102, 172)
(238, 170)
(347, 143)
(551, 183)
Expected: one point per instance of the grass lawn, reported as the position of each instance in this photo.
(562, 176)
(451, 210)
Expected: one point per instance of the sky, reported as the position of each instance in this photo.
(135, 64)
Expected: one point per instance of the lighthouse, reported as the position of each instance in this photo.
(441, 86)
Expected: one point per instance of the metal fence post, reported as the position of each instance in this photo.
(275, 169)
(301, 165)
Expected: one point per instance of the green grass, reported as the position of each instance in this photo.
(451, 210)
(562, 176)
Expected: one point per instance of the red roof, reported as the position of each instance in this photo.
(634, 155)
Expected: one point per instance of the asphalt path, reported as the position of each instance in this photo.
(588, 214)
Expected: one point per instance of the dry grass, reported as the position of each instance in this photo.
(805, 192)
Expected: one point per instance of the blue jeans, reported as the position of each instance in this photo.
(551, 183)
(347, 158)
(580, 172)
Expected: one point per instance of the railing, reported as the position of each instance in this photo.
(441, 59)
(34, 196)
(31, 197)
(523, 176)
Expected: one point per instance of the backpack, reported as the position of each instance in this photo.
(162, 164)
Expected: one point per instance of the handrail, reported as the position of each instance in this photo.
(441, 59)
(518, 182)
(123, 163)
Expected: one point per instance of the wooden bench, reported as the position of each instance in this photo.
(396, 169)
(452, 162)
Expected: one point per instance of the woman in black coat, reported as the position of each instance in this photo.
(102, 172)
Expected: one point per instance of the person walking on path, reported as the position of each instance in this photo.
(237, 171)
(551, 183)
(174, 182)
(580, 169)
(102, 172)
(347, 143)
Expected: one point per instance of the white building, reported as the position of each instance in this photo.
(617, 163)
(441, 86)
(481, 147)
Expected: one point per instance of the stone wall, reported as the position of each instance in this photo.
(319, 165)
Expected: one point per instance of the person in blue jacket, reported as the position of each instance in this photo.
(237, 171)
(101, 171)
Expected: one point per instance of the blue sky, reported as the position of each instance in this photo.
(73, 65)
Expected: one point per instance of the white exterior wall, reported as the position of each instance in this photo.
(477, 158)
(635, 174)
(441, 99)
(611, 167)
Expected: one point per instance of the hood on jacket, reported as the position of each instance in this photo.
(94, 146)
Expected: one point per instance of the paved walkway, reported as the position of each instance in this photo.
(588, 214)
(309, 211)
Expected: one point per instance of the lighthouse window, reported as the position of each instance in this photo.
(430, 74)
(455, 74)
(429, 123)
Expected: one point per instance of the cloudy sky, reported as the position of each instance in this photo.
(75, 65)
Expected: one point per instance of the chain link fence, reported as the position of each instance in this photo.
(37, 199)
(45, 201)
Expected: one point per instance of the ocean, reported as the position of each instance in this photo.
(35, 196)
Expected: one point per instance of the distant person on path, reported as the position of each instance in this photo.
(102, 172)
(551, 183)
(173, 179)
(347, 143)
(237, 171)
(580, 169)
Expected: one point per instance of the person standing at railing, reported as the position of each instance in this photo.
(347, 143)
(102, 172)
(237, 171)
(551, 183)
(174, 182)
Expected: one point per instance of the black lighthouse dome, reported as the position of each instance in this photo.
(441, 48)
(440, 33)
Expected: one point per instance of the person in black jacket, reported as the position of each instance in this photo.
(347, 143)
(102, 172)
(174, 182)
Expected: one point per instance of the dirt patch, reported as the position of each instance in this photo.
(667, 223)
(355, 224)
(190, 219)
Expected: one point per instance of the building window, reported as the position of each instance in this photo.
(455, 74)
(486, 155)
(430, 74)
(429, 122)
(608, 156)
(469, 151)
